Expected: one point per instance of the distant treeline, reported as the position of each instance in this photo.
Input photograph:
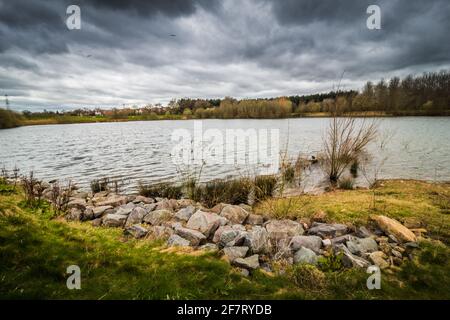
(9, 119)
(427, 94)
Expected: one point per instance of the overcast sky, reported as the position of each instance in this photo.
(139, 52)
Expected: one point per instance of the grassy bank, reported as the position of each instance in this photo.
(36, 247)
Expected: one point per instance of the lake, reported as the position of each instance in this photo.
(416, 148)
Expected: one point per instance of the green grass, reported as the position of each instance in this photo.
(36, 248)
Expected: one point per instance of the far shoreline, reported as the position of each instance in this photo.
(102, 119)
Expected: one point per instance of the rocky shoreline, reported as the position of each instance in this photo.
(247, 240)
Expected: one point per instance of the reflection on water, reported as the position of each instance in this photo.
(418, 148)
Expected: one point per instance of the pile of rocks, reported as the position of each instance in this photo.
(248, 241)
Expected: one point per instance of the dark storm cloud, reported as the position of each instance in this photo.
(151, 51)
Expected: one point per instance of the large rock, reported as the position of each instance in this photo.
(325, 230)
(125, 209)
(391, 226)
(282, 229)
(257, 240)
(158, 216)
(136, 216)
(136, 231)
(313, 243)
(364, 245)
(228, 236)
(225, 233)
(235, 214)
(99, 211)
(167, 204)
(112, 200)
(195, 237)
(74, 214)
(205, 222)
(305, 255)
(251, 262)
(177, 241)
(185, 213)
(78, 203)
(233, 253)
(114, 220)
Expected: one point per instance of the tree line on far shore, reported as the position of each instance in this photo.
(426, 94)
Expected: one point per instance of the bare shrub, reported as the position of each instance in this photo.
(344, 142)
(33, 189)
(60, 196)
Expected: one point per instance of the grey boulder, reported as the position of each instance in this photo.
(114, 220)
(195, 237)
(233, 253)
(313, 243)
(305, 255)
(359, 246)
(251, 262)
(325, 230)
(177, 241)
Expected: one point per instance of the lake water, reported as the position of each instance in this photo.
(418, 148)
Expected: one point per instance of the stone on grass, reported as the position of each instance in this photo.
(125, 209)
(114, 220)
(75, 214)
(395, 228)
(176, 241)
(283, 229)
(136, 231)
(112, 200)
(158, 216)
(305, 255)
(205, 222)
(195, 237)
(364, 245)
(257, 240)
(185, 213)
(233, 253)
(235, 214)
(100, 210)
(136, 216)
(311, 242)
(251, 262)
(326, 230)
(78, 203)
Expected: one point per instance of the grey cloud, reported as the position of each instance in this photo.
(125, 52)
